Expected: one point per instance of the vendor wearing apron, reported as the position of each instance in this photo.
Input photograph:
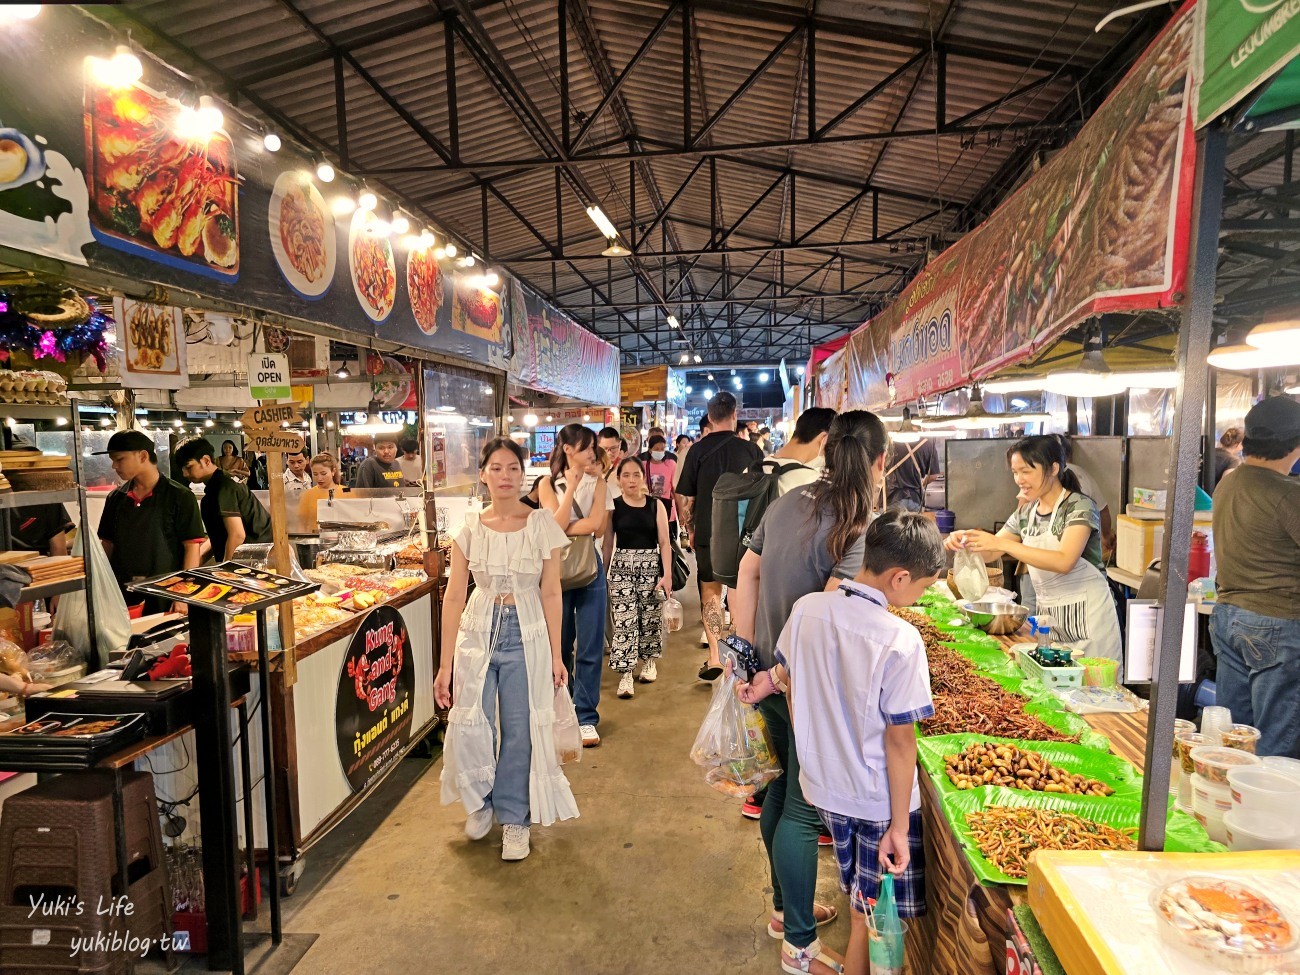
(1056, 532)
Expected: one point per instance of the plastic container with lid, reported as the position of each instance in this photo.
(1260, 789)
(1257, 831)
(1204, 917)
(1184, 743)
(1207, 795)
(1215, 762)
(1242, 737)
(1280, 763)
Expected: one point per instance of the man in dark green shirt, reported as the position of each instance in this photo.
(151, 524)
(231, 514)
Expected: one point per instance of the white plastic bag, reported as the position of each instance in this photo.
(568, 737)
(970, 575)
(733, 745)
(673, 614)
(112, 622)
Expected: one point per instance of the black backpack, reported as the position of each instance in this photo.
(739, 503)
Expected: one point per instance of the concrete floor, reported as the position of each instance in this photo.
(659, 874)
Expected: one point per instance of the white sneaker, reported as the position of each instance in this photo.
(704, 639)
(625, 688)
(514, 842)
(589, 737)
(479, 824)
(649, 672)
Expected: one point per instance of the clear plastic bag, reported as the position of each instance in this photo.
(673, 614)
(970, 575)
(733, 744)
(568, 737)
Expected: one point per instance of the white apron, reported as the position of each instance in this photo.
(1079, 600)
(504, 563)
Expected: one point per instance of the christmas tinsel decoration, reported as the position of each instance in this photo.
(19, 334)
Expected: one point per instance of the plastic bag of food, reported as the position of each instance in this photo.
(970, 575)
(14, 660)
(54, 657)
(733, 744)
(568, 737)
(674, 615)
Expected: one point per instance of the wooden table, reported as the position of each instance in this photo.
(964, 931)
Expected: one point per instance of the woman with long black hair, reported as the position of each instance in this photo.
(1056, 532)
(812, 536)
(577, 495)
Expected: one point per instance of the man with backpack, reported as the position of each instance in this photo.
(719, 453)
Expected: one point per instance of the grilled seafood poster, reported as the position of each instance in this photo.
(372, 710)
(1102, 227)
(99, 177)
(151, 345)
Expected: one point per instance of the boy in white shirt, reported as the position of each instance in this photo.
(858, 681)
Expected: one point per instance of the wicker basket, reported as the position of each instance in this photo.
(995, 581)
(39, 480)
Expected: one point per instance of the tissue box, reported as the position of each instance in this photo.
(1150, 498)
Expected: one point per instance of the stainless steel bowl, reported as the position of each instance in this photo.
(997, 619)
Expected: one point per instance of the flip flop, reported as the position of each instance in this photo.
(708, 672)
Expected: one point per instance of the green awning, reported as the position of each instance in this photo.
(1241, 45)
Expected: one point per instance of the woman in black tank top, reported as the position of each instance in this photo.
(636, 551)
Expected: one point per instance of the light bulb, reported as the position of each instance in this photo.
(439, 253)
(698, 359)
(343, 205)
(689, 390)
(426, 240)
(491, 279)
(329, 424)
(763, 377)
(19, 11)
(271, 142)
(239, 424)
(586, 418)
(199, 124)
(381, 228)
(208, 423)
(451, 250)
(401, 223)
(325, 172)
(530, 419)
(122, 70)
(61, 421)
(178, 423)
(367, 200)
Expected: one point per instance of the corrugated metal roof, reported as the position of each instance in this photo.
(281, 54)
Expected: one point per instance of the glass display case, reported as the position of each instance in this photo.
(460, 417)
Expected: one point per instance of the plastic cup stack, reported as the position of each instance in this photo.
(1175, 767)
(1214, 722)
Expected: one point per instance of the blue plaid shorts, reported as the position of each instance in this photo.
(857, 851)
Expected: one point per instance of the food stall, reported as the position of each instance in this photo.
(372, 304)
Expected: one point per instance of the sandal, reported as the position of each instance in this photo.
(799, 961)
(708, 672)
(822, 914)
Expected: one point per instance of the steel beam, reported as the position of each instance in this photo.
(341, 113)
(749, 82)
(1194, 338)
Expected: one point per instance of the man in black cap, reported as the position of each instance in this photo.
(1256, 622)
(231, 514)
(150, 524)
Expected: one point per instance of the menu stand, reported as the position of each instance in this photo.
(215, 768)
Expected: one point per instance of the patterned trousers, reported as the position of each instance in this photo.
(633, 576)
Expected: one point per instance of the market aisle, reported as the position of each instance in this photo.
(660, 873)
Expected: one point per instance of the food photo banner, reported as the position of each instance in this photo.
(136, 179)
(1103, 227)
(552, 353)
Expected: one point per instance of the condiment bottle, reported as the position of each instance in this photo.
(1198, 563)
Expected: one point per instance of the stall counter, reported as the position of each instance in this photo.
(964, 930)
(331, 751)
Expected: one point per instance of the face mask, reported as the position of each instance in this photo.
(657, 455)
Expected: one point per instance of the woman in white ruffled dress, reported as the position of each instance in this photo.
(501, 663)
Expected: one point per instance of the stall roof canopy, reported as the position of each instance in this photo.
(780, 168)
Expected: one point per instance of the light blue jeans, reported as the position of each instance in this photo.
(505, 696)
(1258, 676)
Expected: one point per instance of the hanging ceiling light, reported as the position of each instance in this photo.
(343, 372)
(530, 419)
(1091, 377)
(367, 200)
(1245, 358)
(271, 142)
(977, 418)
(605, 225)
(686, 357)
(324, 172)
(672, 322)
(698, 360)
(1278, 335)
(451, 249)
(491, 279)
(616, 249)
(401, 222)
